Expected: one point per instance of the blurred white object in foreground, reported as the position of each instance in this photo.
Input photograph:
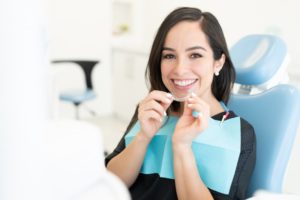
(264, 195)
(23, 101)
(75, 167)
(42, 160)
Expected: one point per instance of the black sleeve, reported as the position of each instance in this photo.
(120, 147)
(245, 165)
(246, 161)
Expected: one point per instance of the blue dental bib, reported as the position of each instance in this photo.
(216, 151)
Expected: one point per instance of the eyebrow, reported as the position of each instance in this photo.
(188, 49)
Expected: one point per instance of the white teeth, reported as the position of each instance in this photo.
(184, 82)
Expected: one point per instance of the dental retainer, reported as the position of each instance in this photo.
(195, 114)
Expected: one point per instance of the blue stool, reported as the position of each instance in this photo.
(75, 96)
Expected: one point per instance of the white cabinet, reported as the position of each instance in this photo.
(129, 85)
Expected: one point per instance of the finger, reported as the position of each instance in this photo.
(200, 114)
(167, 105)
(197, 110)
(150, 114)
(160, 96)
(197, 105)
(164, 98)
(194, 99)
(187, 111)
(154, 105)
(197, 114)
(201, 102)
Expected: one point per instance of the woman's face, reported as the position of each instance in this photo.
(187, 63)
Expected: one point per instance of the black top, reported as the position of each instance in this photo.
(152, 186)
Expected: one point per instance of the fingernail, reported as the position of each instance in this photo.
(169, 95)
(165, 114)
(197, 114)
(168, 100)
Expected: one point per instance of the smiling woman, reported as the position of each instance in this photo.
(167, 152)
(188, 61)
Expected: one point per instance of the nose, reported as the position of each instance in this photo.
(181, 66)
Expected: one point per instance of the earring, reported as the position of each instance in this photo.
(217, 73)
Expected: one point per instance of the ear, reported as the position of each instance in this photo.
(219, 64)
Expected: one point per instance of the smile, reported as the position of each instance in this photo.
(184, 83)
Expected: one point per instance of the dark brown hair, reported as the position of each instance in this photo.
(221, 85)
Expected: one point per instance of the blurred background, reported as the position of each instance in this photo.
(116, 36)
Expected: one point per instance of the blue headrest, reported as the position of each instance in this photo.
(254, 51)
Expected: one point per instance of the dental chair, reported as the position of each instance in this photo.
(272, 108)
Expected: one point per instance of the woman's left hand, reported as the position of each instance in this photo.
(188, 126)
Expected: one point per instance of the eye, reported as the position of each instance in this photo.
(168, 56)
(196, 55)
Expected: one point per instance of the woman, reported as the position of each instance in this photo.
(182, 142)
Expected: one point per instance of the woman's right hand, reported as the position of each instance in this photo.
(152, 111)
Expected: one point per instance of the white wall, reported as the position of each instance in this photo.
(81, 30)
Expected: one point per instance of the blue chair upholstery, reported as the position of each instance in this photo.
(254, 51)
(274, 113)
(79, 96)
